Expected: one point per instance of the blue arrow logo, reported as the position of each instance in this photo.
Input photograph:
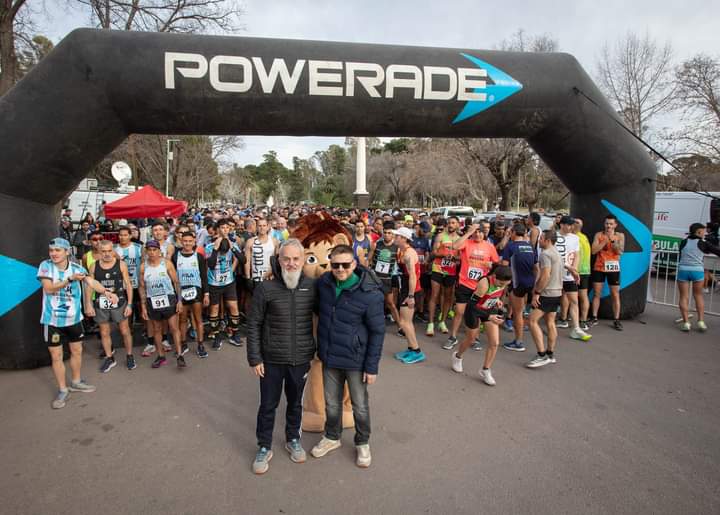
(18, 284)
(503, 87)
(633, 265)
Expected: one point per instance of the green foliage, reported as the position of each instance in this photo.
(397, 146)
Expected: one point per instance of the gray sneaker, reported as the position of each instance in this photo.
(82, 386)
(451, 342)
(297, 453)
(538, 361)
(562, 324)
(61, 399)
(262, 460)
(363, 456)
(477, 345)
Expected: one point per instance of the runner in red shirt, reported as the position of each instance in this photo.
(476, 258)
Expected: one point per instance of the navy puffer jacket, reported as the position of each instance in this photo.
(351, 328)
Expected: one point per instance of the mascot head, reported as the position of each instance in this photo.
(319, 233)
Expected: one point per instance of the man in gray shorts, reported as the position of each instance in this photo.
(546, 300)
(113, 274)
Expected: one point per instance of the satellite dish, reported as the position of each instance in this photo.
(121, 172)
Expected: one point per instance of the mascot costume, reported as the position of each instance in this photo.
(319, 233)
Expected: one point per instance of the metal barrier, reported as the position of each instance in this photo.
(662, 281)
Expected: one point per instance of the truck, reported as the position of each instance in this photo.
(88, 198)
(676, 210)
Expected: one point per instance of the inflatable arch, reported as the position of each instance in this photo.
(98, 86)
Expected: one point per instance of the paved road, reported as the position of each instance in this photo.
(627, 423)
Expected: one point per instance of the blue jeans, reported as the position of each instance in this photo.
(334, 382)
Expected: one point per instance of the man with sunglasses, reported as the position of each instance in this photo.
(93, 254)
(351, 330)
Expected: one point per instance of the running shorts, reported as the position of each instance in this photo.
(613, 278)
(56, 336)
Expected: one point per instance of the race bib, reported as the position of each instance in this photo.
(382, 267)
(421, 258)
(222, 278)
(105, 303)
(490, 303)
(189, 294)
(160, 302)
(611, 266)
(447, 262)
(474, 274)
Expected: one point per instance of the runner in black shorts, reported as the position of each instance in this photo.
(446, 281)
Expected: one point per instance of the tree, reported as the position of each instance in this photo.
(698, 85)
(16, 29)
(636, 77)
(165, 15)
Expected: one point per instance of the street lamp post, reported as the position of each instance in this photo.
(169, 157)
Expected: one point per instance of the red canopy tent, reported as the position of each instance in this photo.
(147, 202)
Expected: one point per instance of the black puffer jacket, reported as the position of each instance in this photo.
(279, 326)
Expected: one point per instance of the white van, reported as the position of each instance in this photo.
(461, 212)
(675, 211)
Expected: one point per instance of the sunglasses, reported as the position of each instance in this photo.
(346, 265)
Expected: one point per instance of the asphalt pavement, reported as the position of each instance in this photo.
(627, 423)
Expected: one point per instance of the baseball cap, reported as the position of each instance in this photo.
(152, 244)
(409, 218)
(59, 243)
(567, 220)
(405, 232)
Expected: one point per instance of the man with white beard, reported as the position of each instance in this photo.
(280, 346)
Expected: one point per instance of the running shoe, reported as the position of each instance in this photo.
(450, 343)
(593, 321)
(131, 365)
(191, 333)
(82, 386)
(363, 456)
(487, 377)
(617, 325)
(262, 460)
(201, 352)
(538, 361)
(148, 351)
(702, 326)
(61, 399)
(442, 327)
(451, 314)
(297, 453)
(401, 355)
(107, 365)
(482, 328)
(477, 345)
(579, 334)
(584, 325)
(414, 357)
(217, 343)
(181, 362)
(166, 345)
(159, 361)
(685, 327)
(514, 345)
(508, 325)
(457, 363)
(401, 333)
(430, 330)
(236, 340)
(552, 359)
(184, 349)
(562, 324)
(324, 446)
(390, 319)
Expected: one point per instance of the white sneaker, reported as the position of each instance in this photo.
(166, 345)
(486, 376)
(579, 334)
(457, 363)
(685, 327)
(702, 327)
(324, 446)
(538, 361)
(149, 350)
(363, 456)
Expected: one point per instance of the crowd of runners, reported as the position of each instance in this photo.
(468, 281)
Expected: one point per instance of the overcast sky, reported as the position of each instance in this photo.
(581, 27)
